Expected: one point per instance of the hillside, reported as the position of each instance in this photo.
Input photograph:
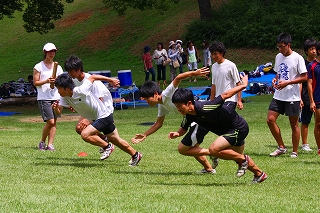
(102, 39)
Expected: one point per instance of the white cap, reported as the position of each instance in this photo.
(49, 46)
(178, 41)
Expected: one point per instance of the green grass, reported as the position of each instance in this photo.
(164, 181)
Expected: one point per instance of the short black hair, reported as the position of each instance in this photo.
(219, 47)
(149, 88)
(318, 48)
(65, 81)
(160, 43)
(310, 42)
(73, 63)
(285, 38)
(182, 96)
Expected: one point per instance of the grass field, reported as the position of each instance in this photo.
(164, 181)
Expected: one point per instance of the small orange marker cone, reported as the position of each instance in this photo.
(82, 154)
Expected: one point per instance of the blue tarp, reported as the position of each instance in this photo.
(8, 113)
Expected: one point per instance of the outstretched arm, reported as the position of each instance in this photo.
(157, 125)
(199, 72)
(236, 89)
(113, 81)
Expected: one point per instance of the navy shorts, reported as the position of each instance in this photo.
(288, 108)
(230, 104)
(194, 136)
(105, 125)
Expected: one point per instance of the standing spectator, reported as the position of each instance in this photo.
(206, 56)
(291, 70)
(192, 57)
(159, 55)
(173, 54)
(225, 76)
(306, 113)
(147, 62)
(314, 93)
(42, 76)
(181, 55)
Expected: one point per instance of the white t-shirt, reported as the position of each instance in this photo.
(289, 68)
(99, 90)
(44, 91)
(167, 106)
(85, 103)
(225, 76)
(157, 54)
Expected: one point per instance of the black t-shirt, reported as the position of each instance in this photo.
(215, 117)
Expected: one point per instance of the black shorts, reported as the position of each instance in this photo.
(105, 125)
(236, 137)
(306, 115)
(289, 108)
(230, 104)
(194, 136)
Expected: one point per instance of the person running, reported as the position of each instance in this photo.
(216, 117)
(91, 107)
(74, 66)
(152, 93)
(42, 76)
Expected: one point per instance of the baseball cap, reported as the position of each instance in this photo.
(49, 46)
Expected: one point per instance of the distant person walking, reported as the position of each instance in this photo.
(147, 63)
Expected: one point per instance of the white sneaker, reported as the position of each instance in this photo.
(278, 152)
(294, 155)
(306, 147)
(204, 171)
(107, 152)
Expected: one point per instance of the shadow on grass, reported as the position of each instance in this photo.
(233, 184)
(75, 162)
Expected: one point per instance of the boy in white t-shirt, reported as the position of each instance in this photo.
(92, 108)
(74, 66)
(291, 70)
(151, 92)
(225, 76)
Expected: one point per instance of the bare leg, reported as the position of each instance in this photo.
(274, 128)
(304, 133)
(49, 130)
(317, 127)
(119, 142)
(295, 132)
(198, 153)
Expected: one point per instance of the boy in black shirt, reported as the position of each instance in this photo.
(231, 128)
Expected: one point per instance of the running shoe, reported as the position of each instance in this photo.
(294, 155)
(50, 147)
(278, 152)
(107, 151)
(306, 147)
(42, 145)
(215, 162)
(204, 171)
(259, 179)
(135, 159)
(242, 167)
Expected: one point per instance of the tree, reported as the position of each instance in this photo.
(38, 15)
(121, 6)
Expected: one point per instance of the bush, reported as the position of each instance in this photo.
(257, 23)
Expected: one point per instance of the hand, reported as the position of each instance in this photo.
(114, 82)
(239, 105)
(281, 85)
(244, 79)
(204, 71)
(313, 107)
(173, 135)
(71, 109)
(50, 80)
(55, 105)
(83, 124)
(138, 138)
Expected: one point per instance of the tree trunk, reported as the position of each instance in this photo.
(205, 9)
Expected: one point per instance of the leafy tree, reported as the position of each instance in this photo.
(38, 15)
(121, 6)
